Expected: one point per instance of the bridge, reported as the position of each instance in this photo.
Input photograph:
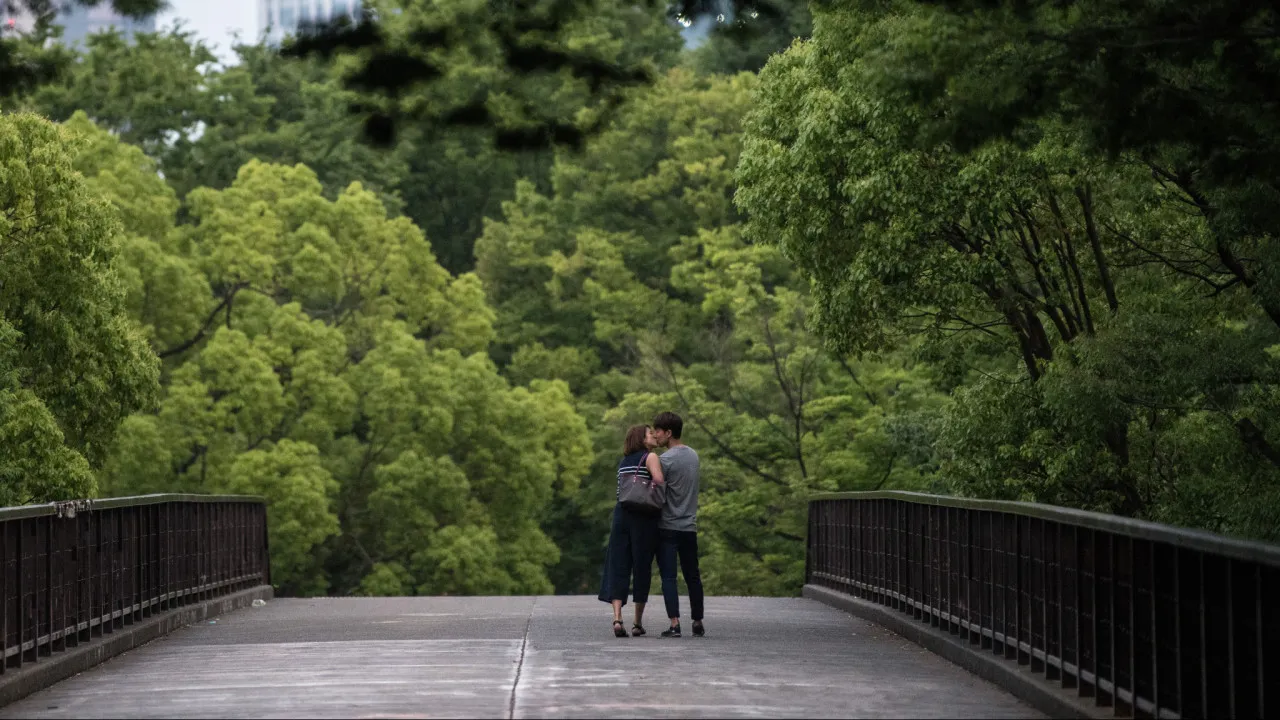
(914, 606)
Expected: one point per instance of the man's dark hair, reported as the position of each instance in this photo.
(669, 421)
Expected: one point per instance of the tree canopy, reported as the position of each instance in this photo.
(1126, 356)
(945, 245)
(633, 282)
(73, 364)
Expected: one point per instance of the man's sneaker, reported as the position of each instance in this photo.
(673, 631)
(698, 630)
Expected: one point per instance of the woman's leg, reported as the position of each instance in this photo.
(644, 538)
(620, 560)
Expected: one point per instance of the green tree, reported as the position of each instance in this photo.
(535, 74)
(776, 416)
(335, 368)
(201, 122)
(457, 178)
(632, 283)
(1082, 271)
(27, 61)
(147, 89)
(286, 111)
(73, 365)
(602, 243)
(1183, 89)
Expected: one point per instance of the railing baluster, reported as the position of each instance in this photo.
(1106, 582)
(989, 585)
(1147, 620)
(73, 571)
(5, 589)
(1268, 643)
(1244, 636)
(1122, 567)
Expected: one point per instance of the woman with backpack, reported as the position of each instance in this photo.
(633, 537)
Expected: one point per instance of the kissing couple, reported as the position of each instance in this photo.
(655, 515)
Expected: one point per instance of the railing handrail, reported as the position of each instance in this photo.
(1199, 540)
(61, 506)
(1153, 620)
(75, 570)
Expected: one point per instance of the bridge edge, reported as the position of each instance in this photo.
(48, 671)
(1017, 680)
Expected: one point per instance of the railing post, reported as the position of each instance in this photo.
(808, 542)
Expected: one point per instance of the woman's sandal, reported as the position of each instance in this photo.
(637, 630)
(619, 630)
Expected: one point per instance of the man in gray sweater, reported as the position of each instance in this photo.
(678, 528)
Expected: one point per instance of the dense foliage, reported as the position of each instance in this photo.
(72, 363)
(1110, 295)
(906, 254)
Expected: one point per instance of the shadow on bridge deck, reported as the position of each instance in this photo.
(523, 657)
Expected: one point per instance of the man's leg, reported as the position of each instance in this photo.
(667, 552)
(688, 548)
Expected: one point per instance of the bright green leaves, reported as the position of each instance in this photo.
(464, 462)
(72, 364)
(126, 177)
(297, 486)
(589, 265)
(573, 365)
(35, 462)
(325, 361)
(442, 539)
(272, 233)
(633, 282)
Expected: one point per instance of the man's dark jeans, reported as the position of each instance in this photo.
(632, 541)
(673, 544)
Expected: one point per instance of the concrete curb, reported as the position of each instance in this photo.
(17, 684)
(1018, 680)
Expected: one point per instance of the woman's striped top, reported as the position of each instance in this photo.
(632, 466)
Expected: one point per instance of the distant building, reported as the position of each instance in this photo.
(283, 17)
(79, 22)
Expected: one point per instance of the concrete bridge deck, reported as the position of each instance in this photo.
(522, 658)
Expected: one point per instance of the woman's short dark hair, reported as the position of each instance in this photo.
(634, 443)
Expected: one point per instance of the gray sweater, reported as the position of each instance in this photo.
(680, 470)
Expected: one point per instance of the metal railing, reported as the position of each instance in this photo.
(1150, 620)
(72, 571)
